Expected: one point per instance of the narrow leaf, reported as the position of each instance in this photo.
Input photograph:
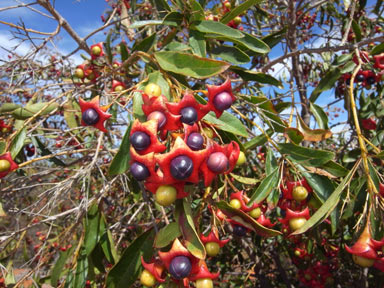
(266, 186)
(306, 156)
(18, 142)
(227, 122)
(236, 11)
(167, 234)
(209, 26)
(120, 162)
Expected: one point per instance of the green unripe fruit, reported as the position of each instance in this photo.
(152, 90)
(235, 203)
(96, 50)
(362, 261)
(296, 223)
(79, 73)
(212, 248)
(165, 195)
(204, 283)
(147, 279)
(299, 193)
(255, 213)
(4, 165)
(242, 159)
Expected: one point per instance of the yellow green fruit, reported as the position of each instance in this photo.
(147, 279)
(152, 89)
(212, 248)
(165, 195)
(4, 165)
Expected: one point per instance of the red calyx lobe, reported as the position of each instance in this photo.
(213, 236)
(152, 104)
(149, 128)
(100, 45)
(264, 221)
(180, 148)
(295, 214)
(379, 61)
(94, 104)
(116, 83)
(177, 250)
(7, 156)
(150, 162)
(156, 268)
(200, 271)
(232, 152)
(188, 101)
(243, 201)
(214, 90)
(369, 124)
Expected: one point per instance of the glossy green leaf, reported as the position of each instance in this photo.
(266, 186)
(184, 218)
(18, 142)
(321, 117)
(167, 234)
(259, 140)
(270, 162)
(3, 145)
(227, 122)
(377, 49)
(335, 169)
(173, 19)
(123, 51)
(162, 5)
(81, 269)
(145, 44)
(328, 206)
(197, 13)
(245, 180)
(107, 245)
(306, 156)
(197, 43)
(249, 41)
(108, 48)
(246, 220)
(275, 38)
(94, 228)
(120, 162)
(139, 24)
(70, 115)
(190, 65)
(214, 27)
(127, 269)
(237, 10)
(259, 77)
(230, 54)
(30, 110)
(357, 30)
(327, 82)
(294, 135)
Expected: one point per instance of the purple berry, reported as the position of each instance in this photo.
(188, 115)
(160, 117)
(222, 101)
(360, 78)
(195, 141)
(140, 140)
(90, 116)
(181, 167)
(217, 162)
(239, 230)
(180, 267)
(139, 171)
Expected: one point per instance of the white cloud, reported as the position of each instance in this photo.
(21, 12)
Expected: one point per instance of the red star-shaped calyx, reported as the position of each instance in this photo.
(156, 268)
(188, 129)
(213, 236)
(243, 201)
(149, 161)
(177, 250)
(153, 104)
(94, 104)
(188, 101)
(290, 214)
(379, 61)
(214, 90)
(264, 221)
(152, 187)
(116, 83)
(180, 148)
(230, 150)
(149, 128)
(287, 190)
(13, 165)
(98, 45)
(200, 271)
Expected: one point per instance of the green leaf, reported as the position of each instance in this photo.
(162, 5)
(107, 245)
(335, 169)
(197, 43)
(270, 163)
(59, 265)
(237, 10)
(167, 234)
(197, 13)
(259, 77)
(18, 142)
(266, 186)
(252, 43)
(328, 206)
(94, 228)
(209, 26)
(146, 44)
(81, 269)
(245, 180)
(120, 162)
(30, 110)
(227, 122)
(127, 269)
(123, 51)
(190, 65)
(139, 24)
(321, 117)
(306, 156)
(294, 135)
(356, 29)
(45, 151)
(173, 19)
(230, 54)
(108, 49)
(275, 38)
(377, 49)
(8, 107)
(259, 140)
(246, 220)
(3, 145)
(183, 216)
(327, 82)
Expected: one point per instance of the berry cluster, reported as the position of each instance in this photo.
(192, 156)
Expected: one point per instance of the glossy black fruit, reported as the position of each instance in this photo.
(188, 115)
(360, 78)
(90, 116)
(139, 171)
(239, 231)
(180, 267)
(181, 167)
(140, 140)
(222, 101)
(195, 141)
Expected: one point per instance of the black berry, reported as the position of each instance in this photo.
(222, 101)
(181, 167)
(195, 141)
(90, 116)
(188, 115)
(180, 267)
(140, 140)
(139, 171)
